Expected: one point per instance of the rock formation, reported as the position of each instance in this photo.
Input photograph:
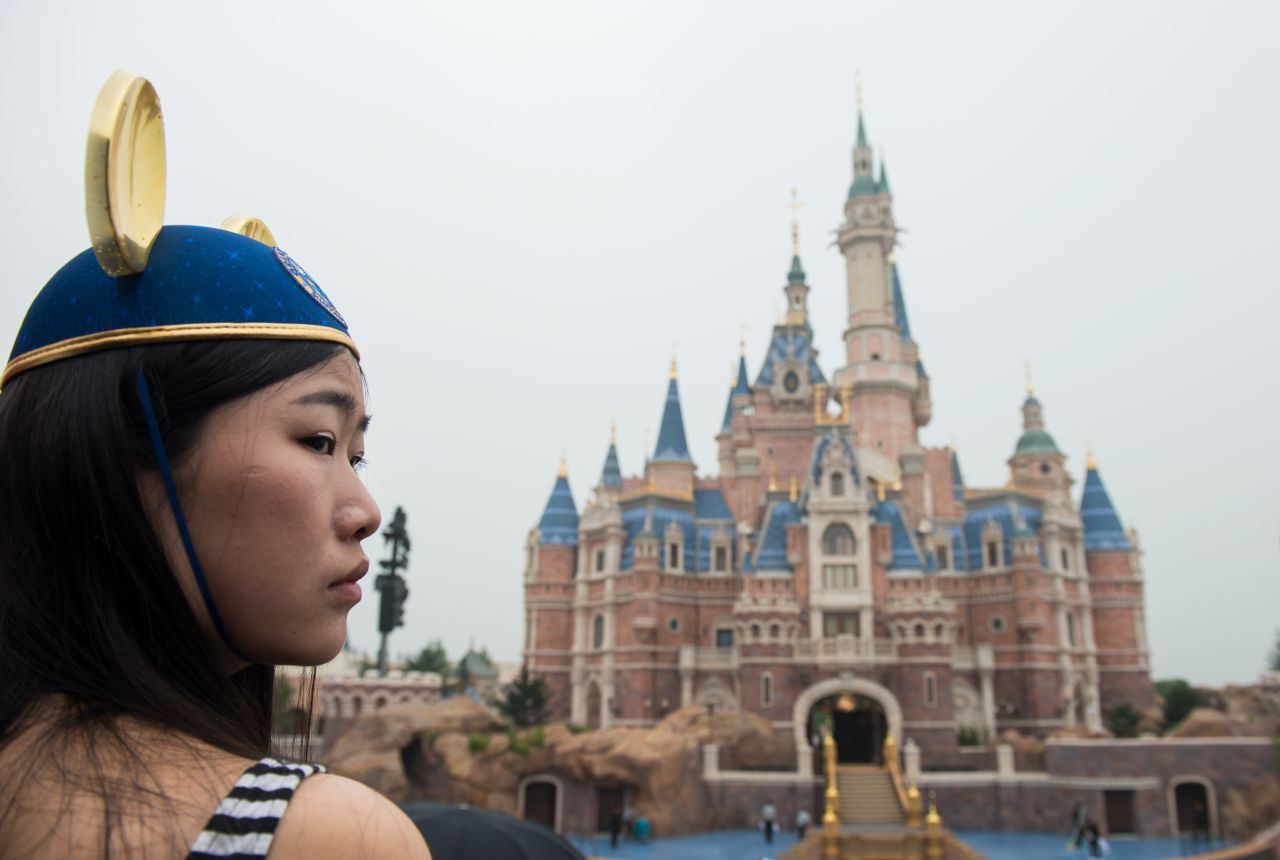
(457, 751)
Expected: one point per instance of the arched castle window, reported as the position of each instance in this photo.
(766, 689)
(837, 484)
(1071, 630)
(838, 540)
(775, 631)
(755, 632)
(597, 632)
(930, 690)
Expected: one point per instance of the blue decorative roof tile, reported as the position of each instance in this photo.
(611, 474)
(793, 342)
(906, 556)
(671, 440)
(1102, 527)
(1001, 510)
(957, 478)
(710, 505)
(559, 523)
(772, 555)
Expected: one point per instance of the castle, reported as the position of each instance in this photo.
(835, 571)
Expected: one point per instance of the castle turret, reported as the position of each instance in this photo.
(672, 467)
(882, 360)
(611, 474)
(1119, 615)
(1037, 464)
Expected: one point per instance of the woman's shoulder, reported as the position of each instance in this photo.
(333, 816)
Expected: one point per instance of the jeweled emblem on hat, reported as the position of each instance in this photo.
(308, 284)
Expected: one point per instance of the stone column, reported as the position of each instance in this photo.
(710, 761)
(1005, 768)
(985, 656)
(911, 761)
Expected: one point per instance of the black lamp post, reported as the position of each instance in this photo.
(391, 585)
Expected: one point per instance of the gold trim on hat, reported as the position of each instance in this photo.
(121, 337)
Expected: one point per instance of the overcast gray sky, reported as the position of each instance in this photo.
(521, 207)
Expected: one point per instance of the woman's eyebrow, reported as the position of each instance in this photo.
(332, 397)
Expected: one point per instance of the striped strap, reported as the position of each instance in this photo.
(245, 822)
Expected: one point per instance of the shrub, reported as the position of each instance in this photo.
(536, 738)
(972, 736)
(1179, 700)
(1123, 720)
(575, 729)
(477, 742)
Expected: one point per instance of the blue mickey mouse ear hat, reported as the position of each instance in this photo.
(143, 283)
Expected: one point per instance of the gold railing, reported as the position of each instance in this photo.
(908, 796)
(830, 817)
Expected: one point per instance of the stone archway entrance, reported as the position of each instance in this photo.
(857, 724)
(874, 716)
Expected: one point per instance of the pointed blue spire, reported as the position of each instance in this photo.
(862, 132)
(740, 386)
(957, 478)
(905, 554)
(559, 523)
(883, 184)
(899, 303)
(671, 441)
(611, 474)
(1102, 528)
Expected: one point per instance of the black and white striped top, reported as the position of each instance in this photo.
(245, 821)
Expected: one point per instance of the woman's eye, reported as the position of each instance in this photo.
(323, 444)
(358, 462)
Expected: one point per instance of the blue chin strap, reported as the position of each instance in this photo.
(162, 460)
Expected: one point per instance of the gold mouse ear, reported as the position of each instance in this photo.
(251, 227)
(124, 174)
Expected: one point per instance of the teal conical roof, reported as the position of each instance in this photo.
(1102, 527)
(884, 178)
(899, 304)
(671, 440)
(862, 132)
(796, 275)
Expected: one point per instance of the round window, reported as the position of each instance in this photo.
(1045, 468)
(791, 382)
(673, 624)
(996, 624)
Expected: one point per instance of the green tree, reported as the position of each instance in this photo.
(1179, 700)
(461, 678)
(1274, 660)
(432, 658)
(524, 700)
(1122, 720)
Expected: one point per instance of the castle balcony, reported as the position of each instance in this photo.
(845, 649)
(700, 658)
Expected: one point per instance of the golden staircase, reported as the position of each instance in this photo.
(872, 814)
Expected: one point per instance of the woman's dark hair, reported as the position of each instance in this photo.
(89, 606)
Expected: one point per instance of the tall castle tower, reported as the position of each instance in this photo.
(890, 396)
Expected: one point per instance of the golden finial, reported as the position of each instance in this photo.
(563, 471)
(613, 431)
(773, 478)
(880, 491)
(795, 205)
(792, 490)
(674, 372)
(897, 486)
(1030, 390)
(857, 89)
(1090, 461)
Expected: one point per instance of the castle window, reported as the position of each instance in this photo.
(673, 556)
(673, 624)
(775, 632)
(838, 540)
(1071, 630)
(724, 637)
(755, 632)
(791, 382)
(597, 632)
(766, 689)
(839, 576)
(930, 690)
(997, 624)
(599, 560)
(837, 484)
(841, 624)
(920, 632)
(944, 556)
(1066, 559)
(993, 554)
(939, 632)
(721, 559)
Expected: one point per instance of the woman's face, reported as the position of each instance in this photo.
(276, 513)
